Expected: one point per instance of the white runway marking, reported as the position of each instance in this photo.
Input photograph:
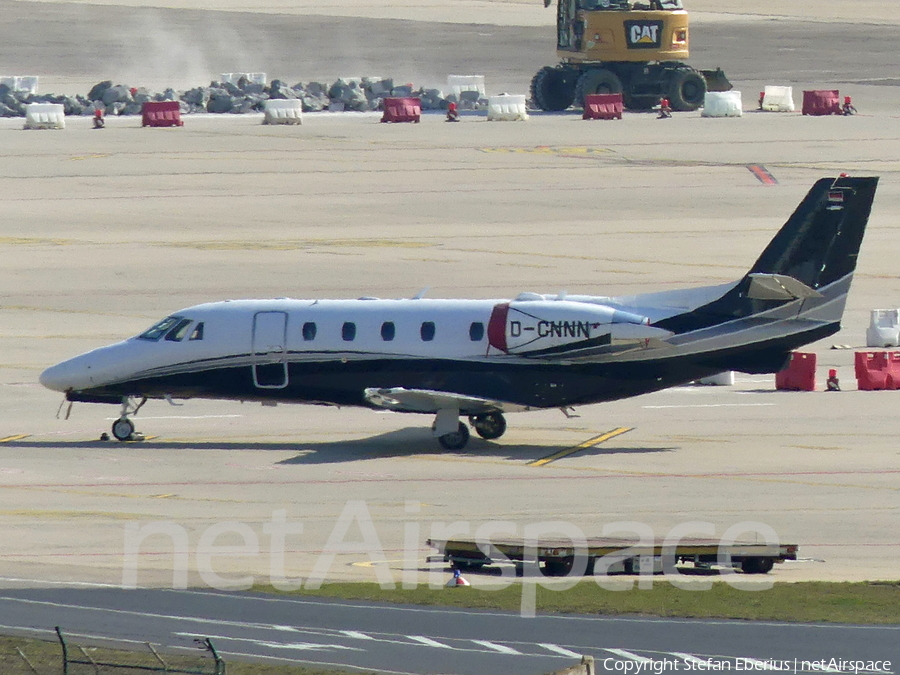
(357, 635)
(562, 651)
(503, 649)
(629, 655)
(428, 641)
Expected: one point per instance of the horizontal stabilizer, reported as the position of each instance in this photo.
(778, 287)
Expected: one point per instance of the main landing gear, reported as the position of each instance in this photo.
(487, 425)
(123, 428)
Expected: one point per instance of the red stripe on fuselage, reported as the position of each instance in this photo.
(497, 327)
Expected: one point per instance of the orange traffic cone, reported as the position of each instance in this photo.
(457, 580)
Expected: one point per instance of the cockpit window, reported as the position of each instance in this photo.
(197, 333)
(177, 333)
(156, 331)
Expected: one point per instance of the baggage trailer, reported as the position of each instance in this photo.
(558, 555)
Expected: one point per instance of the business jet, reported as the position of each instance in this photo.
(481, 359)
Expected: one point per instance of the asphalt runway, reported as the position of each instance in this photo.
(362, 636)
(105, 232)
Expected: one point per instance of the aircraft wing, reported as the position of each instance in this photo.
(428, 401)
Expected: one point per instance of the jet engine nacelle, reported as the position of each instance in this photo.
(557, 326)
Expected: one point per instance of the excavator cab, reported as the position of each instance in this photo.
(617, 46)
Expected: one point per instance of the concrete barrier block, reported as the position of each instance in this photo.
(45, 116)
(602, 107)
(27, 84)
(778, 99)
(507, 107)
(287, 111)
(821, 102)
(234, 78)
(725, 379)
(884, 328)
(456, 84)
(722, 104)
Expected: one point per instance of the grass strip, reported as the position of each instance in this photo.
(45, 656)
(812, 602)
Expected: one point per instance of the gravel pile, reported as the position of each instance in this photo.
(243, 97)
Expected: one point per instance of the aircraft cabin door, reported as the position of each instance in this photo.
(269, 353)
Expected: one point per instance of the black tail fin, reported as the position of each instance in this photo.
(820, 241)
(817, 246)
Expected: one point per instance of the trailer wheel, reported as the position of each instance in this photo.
(553, 89)
(559, 567)
(757, 565)
(468, 565)
(686, 90)
(596, 81)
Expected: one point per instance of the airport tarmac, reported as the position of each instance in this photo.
(105, 232)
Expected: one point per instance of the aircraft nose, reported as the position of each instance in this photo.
(64, 376)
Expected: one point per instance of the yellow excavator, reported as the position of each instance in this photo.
(617, 46)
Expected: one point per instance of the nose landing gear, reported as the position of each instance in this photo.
(123, 428)
(487, 425)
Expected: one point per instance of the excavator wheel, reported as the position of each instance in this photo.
(686, 90)
(596, 81)
(641, 102)
(552, 88)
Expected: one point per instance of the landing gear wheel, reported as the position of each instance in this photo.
(489, 425)
(553, 89)
(455, 440)
(686, 90)
(122, 429)
(596, 81)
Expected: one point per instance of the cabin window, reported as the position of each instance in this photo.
(197, 333)
(348, 331)
(157, 330)
(476, 331)
(309, 331)
(427, 331)
(177, 333)
(388, 331)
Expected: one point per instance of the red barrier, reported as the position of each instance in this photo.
(877, 370)
(602, 107)
(402, 109)
(161, 114)
(800, 374)
(821, 102)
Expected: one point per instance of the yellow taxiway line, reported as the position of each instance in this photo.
(590, 443)
(19, 437)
